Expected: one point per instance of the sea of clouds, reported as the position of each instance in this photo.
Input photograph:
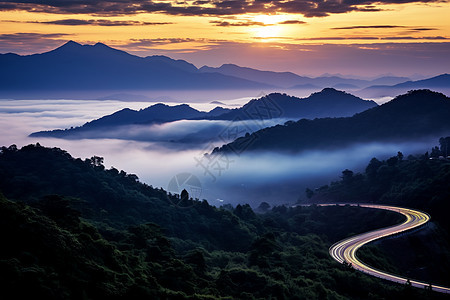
(158, 153)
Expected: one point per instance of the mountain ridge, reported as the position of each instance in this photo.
(155, 114)
(75, 69)
(73, 66)
(417, 114)
(291, 80)
(439, 83)
(329, 102)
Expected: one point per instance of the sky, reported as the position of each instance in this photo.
(308, 37)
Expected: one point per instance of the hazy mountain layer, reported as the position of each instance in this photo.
(327, 103)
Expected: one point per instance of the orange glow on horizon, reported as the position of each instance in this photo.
(402, 23)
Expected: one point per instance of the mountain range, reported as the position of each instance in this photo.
(293, 81)
(413, 116)
(99, 67)
(437, 83)
(72, 68)
(327, 103)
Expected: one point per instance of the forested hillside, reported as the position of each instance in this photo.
(419, 181)
(72, 229)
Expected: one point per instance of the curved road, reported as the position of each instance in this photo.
(345, 250)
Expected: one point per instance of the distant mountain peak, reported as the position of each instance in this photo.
(69, 45)
(72, 46)
(230, 65)
(72, 43)
(159, 105)
(330, 90)
(104, 46)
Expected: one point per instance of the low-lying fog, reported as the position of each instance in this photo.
(248, 178)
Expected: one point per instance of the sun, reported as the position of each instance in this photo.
(271, 27)
(272, 31)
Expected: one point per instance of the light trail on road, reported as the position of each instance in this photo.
(345, 250)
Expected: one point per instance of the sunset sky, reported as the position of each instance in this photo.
(309, 37)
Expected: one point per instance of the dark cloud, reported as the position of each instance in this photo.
(338, 38)
(160, 41)
(252, 23)
(70, 22)
(414, 38)
(369, 8)
(289, 22)
(237, 24)
(423, 29)
(383, 27)
(148, 43)
(26, 41)
(77, 22)
(28, 36)
(368, 27)
(309, 8)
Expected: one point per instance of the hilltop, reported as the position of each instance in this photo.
(417, 114)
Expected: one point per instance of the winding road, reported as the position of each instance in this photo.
(345, 250)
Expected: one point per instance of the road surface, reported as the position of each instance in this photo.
(345, 250)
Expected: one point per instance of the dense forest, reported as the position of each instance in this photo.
(72, 229)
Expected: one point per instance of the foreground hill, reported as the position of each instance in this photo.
(121, 239)
(417, 114)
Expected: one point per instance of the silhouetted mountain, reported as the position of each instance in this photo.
(294, 81)
(281, 79)
(218, 111)
(434, 82)
(158, 113)
(439, 83)
(99, 67)
(326, 103)
(72, 68)
(417, 114)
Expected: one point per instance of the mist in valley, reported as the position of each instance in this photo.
(159, 153)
